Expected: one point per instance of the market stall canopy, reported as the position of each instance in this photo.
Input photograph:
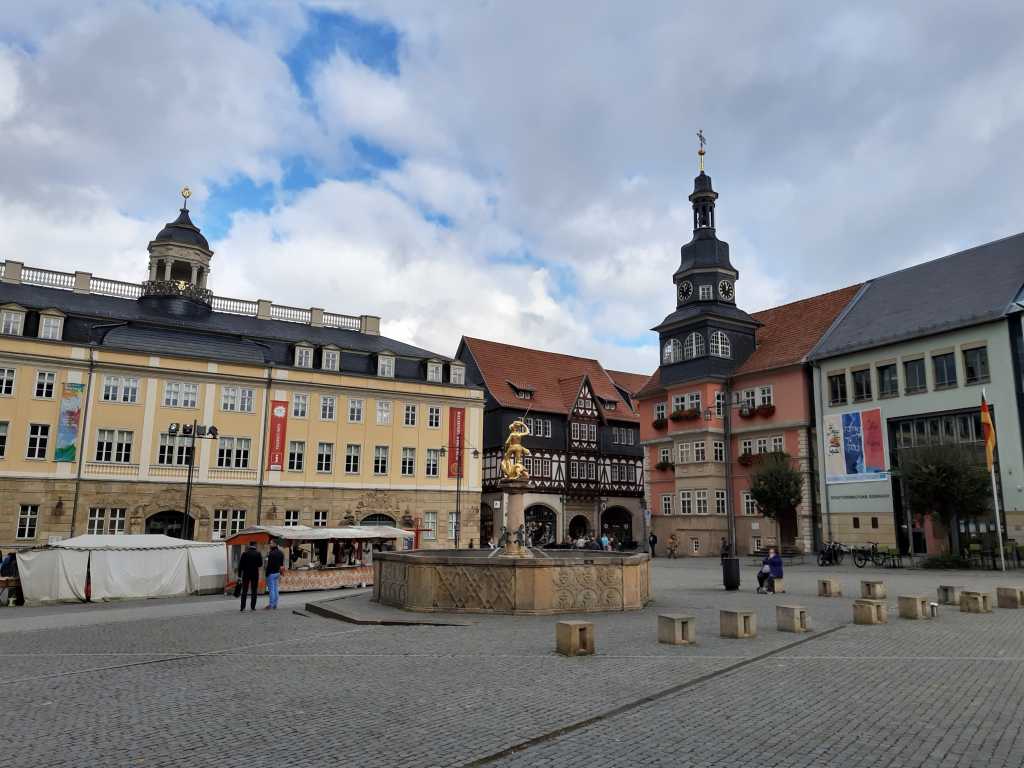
(305, 533)
(117, 567)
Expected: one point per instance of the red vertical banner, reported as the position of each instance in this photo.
(278, 431)
(874, 454)
(456, 438)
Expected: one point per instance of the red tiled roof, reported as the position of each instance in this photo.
(631, 382)
(788, 334)
(791, 330)
(554, 378)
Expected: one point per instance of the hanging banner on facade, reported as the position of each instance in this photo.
(456, 438)
(278, 432)
(854, 449)
(68, 421)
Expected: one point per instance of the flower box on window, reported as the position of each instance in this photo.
(747, 412)
(746, 459)
(691, 414)
(660, 423)
(678, 415)
(765, 410)
(663, 465)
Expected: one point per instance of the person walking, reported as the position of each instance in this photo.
(723, 549)
(653, 541)
(771, 569)
(249, 565)
(673, 546)
(275, 562)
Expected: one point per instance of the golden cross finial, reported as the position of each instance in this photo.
(700, 152)
(186, 193)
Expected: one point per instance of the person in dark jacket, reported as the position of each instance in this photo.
(771, 569)
(249, 565)
(275, 562)
(653, 541)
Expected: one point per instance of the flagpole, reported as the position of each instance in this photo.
(990, 432)
(999, 525)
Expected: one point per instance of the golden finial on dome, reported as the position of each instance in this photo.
(186, 193)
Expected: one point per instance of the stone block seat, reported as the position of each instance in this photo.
(975, 602)
(574, 638)
(867, 611)
(1010, 597)
(738, 624)
(872, 590)
(792, 618)
(829, 588)
(949, 595)
(913, 607)
(677, 629)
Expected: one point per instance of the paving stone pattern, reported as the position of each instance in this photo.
(198, 683)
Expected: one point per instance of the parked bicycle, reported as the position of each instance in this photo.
(831, 554)
(862, 555)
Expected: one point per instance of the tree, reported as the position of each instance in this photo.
(946, 482)
(776, 486)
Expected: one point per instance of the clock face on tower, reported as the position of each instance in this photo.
(725, 290)
(685, 291)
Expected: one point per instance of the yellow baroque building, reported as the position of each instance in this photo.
(318, 419)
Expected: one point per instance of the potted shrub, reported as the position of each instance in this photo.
(766, 410)
(691, 413)
(678, 415)
(746, 459)
(659, 423)
(663, 465)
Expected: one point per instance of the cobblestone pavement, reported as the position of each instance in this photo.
(196, 683)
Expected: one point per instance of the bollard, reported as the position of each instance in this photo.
(677, 629)
(1009, 597)
(975, 602)
(574, 638)
(872, 590)
(933, 610)
(950, 595)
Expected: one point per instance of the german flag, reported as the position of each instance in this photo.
(988, 431)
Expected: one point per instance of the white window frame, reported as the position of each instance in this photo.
(430, 526)
(700, 501)
(28, 522)
(433, 417)
(319, 518)
(51, 333)
(666, 504)
(38, 435)
(355, 410)
(300, 405)
(660, 410)
(457, 374)
(695, 545)
(328, 407)
(386, 366)
(46, 385)
(719, 345)
(435, 372)
(233, 452)
(383, 412)
(381, 459)
(325, 457)
(296, 455)
(720, 499)
(747, 446)
(700, 452)
(353, 458)
(693, 401)
(778, 443)
(706, 293)
(303, 356)
(408, 466)
(749, 505)
(719, 403)
(330, 360)
(684, 451)
(686, 502)
(7, 379)
(12, 322)
(410, 415)
(718, 451)
(173, 450)
(766, 395)
(694, 346)
(291, 518)
(5, 427)
(120, 389)
(762, 445)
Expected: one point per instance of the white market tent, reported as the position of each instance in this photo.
(305, 533)
(118, 567)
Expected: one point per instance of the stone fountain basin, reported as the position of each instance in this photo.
(546, 582)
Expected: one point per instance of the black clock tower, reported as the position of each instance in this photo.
(708, 336)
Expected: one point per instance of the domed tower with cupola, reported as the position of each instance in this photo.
(707, 336)
(179, 267)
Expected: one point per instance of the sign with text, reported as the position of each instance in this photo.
(67, 422)
(854, 450)
(456, 439)
(278, 432)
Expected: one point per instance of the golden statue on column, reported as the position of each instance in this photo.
(512, 463)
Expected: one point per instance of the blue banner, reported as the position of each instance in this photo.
(853, 444)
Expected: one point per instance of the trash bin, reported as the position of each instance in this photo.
(731, 573)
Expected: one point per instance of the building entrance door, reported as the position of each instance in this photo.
(579, 526)
(617, 523)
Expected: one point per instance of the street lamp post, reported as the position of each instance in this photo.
(730, 563)
(458, 481)
(192, 431)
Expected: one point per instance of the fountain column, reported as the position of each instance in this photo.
(514, 516)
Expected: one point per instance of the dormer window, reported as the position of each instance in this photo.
(434, 371)
(303, 357)
(457, 374)
(524, 394)
(386, 366)
(330, 360)
(12, 321)
(51, 326)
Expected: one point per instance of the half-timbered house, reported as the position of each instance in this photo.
(586, 463)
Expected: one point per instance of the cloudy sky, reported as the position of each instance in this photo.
(512, 170)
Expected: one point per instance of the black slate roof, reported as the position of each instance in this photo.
(975, 286)
(182, 230)
(698, 310)
(216, 336)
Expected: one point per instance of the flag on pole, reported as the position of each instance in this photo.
(988, 431)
